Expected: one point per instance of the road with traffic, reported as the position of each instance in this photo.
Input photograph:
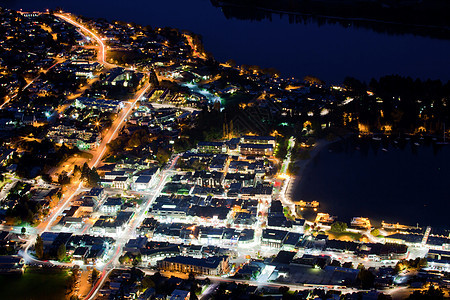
(74, 189)
(101, 53)
(130, 230)
(9, 99)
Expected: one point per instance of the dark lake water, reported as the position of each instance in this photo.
(328, 51)
(407, 183)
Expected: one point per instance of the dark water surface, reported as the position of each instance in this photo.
(408, 184)
(329, 51)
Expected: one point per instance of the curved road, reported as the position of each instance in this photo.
(97, 153)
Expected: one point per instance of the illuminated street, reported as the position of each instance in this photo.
(136, 165)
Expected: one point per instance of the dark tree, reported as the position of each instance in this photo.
(162, 156)
(153, 79)
(339, 227)
(366, 278)
(61, 252)
(85, 171)
(39, 247)
(93, 178)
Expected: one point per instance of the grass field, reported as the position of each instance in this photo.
(34, 284)
(344, 236)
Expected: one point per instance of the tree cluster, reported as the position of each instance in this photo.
(402, 102)
(40, 157)
(415, 264)
(339, 227)
(282, 148)
(365, 278)
(87, 174)
(24, 210)
(129, 258)
(39, 247)
(162, 156)
(72, 280)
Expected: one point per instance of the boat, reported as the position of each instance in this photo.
(324, 218)
(396, 226)
(361, 222)
(384, 149)
(312, 204)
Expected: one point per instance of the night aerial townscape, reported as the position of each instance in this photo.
(224, 149)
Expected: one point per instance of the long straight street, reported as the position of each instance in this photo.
(73, 189)
(130, 230)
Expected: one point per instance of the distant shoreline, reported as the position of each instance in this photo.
(419, 19)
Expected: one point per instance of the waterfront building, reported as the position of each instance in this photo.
(214, 265)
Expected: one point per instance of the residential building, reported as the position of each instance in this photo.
(179, 295)
(256, 149)
(212, 147)
(111, 206)
(142, 183)
(273, 238)
(214, 265)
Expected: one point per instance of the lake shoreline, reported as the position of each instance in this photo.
(381, 180)
(292, 190)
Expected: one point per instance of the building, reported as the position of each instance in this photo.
(438, 260)
(102, 104)
(179, 295)
(244, 179)
(256, 149)
(11, 264)
(134, 245)
(111, 206)
(120, 182)
(113, 174)
(212, 147)
(142, 183)
(97, 194)
(84, 68)
(254, 139)
(273, 238)
(214, 265)
(298, 225)
(122, 77)
(409, 239)
(80, 254)
(110, 225)
(207, 179)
